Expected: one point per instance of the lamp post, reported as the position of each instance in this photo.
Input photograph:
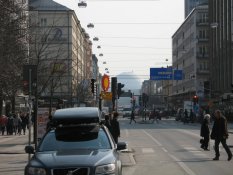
(82, 4)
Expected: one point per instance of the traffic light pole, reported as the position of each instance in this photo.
(30, 110)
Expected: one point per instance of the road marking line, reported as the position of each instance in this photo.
(182, 165)
(147, 150)
(179, 162)
(164, 150)
(155, 140)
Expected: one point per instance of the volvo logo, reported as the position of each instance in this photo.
(71, 172)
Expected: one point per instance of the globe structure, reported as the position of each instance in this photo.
(130, 80)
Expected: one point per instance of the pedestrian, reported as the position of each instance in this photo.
(107, 122)
(3, 123)
(10, 125)
(115, 127)
(155, 115)
(205, 132)
(220, 134)
(17, 124)
(49, 124)
(185, 116)
(24, 122)
(192, 116)
(132, 117)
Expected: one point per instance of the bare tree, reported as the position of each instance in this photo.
(13, 48)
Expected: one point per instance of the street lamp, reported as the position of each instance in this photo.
(90, 25)
(98, 47)
(82, 4)
(95, 39)
(101, 54)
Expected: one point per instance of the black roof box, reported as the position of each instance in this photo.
(78, 115)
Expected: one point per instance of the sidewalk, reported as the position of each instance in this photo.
(13, 144)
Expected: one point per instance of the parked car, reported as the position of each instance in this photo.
(78, 144)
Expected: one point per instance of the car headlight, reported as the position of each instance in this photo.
(105, 169)
(36, 171)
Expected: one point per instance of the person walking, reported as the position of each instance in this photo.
(24, 122)
(205, 132)
(107, 122)
(3, 123)
(132, 117)
(155, 116)
(185, 116)
(220, 134)
(115, 127)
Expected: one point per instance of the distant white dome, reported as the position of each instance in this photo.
(130, 80)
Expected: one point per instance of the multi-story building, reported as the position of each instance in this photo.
(191, 4)
(61, 49)
(190, 54)
(221, 36)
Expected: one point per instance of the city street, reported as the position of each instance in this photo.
(167, 147)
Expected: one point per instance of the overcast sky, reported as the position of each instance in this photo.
(134, 35)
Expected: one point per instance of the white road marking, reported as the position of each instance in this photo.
(147, 150)
(182, 165)
(179, 162)
(164, 150)
(155, 140)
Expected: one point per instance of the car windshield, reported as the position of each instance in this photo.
(50, 143)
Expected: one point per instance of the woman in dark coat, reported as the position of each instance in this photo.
(205, 132)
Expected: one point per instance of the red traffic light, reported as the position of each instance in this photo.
(195, 99)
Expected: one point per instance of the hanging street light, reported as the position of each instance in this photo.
(101, 54)
(82, 4)
(98, 47)
(95, 39)
(90, 25)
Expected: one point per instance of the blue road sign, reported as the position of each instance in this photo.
(178, 74)
(161, 74)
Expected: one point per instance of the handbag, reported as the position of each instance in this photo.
(201, 141)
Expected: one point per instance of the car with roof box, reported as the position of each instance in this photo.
(77, 144)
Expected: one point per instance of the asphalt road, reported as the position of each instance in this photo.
(168, 147)
(171, 147)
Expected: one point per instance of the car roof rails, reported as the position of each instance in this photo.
(76, 116)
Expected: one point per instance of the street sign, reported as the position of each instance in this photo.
(161, 74)
(178, 74)
(106, 95)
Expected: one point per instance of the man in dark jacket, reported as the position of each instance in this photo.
(115, 127)
(220, 134)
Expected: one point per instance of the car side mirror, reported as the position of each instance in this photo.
(121, 146)
(29, 149)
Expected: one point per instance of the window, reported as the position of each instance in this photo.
(43, 22)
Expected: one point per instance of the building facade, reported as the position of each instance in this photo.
(221, 30)
(191, 4)
(190, 54)
(61, 49)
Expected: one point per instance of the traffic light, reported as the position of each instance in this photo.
(93, 86)
(114, 87)
(119, 89)
(195, 99)
(231, 87)
(140, 100)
